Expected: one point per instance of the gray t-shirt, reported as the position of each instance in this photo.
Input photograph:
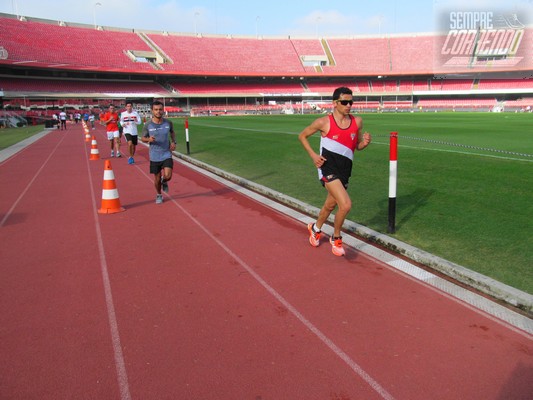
(160, 148)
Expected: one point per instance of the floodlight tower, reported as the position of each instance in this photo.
(94, 13)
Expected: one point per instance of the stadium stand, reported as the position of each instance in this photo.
(451, 84)
(406, 86)
(420, 85)
(471, 103)
(36, 86)
(382, 86)
(236, 88)
(72, 47)
(197, 55)
(505, 84)
(413, 54)
(364, 56)
(326, 88)
(312, 53)
(386, 72)
(524, 104)
(113, 49)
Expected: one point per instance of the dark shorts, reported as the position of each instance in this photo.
(331, 178)
(157, 166)
(131, 138)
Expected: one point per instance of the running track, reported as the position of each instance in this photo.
(213, 295)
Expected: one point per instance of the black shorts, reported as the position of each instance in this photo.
(331, 178)
(157, 166)
(131, 138)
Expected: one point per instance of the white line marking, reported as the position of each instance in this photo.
(8, 214)
(120, 365)
(467, 153)
(309, 325)
(504, 316)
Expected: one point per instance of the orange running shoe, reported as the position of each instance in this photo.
(314, 237)
(336, 246)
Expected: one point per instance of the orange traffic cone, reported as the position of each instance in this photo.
(95, 154)
(110, 200)
(87, 135)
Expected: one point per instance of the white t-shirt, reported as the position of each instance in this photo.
(129, 122)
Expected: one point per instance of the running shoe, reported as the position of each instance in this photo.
(314, 237)
(118, 154)
(336, 246)
(164, 185)
(130, 160)
(159, 199)
(112, 153)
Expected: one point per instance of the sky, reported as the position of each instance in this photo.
(308, 18)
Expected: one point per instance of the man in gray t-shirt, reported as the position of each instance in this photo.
(159, 133)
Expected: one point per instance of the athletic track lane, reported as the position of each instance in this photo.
(212, 295)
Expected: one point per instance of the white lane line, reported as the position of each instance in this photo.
(8, 214)
(309, 325)
(487, 307)
(120, 365)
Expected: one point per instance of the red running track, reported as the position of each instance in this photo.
(213, 295)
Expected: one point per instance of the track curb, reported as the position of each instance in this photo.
(486, 285)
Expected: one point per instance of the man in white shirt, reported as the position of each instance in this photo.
(91, 120)
(63, 120)
(129, 120)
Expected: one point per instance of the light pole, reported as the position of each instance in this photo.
(15, 7)
(196, 14)
(257, 26)
(317, 21)
(94, 13)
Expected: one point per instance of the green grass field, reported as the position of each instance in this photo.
(465, 180)
(9, 137)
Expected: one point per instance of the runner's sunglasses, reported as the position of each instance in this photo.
(345, 102)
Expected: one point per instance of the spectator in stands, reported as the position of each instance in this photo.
(63, 120)
(341, 134)
(129, 120)
(110, 119)
(159, 133)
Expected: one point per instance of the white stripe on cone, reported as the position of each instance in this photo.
(109, 175)
(109, 194)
